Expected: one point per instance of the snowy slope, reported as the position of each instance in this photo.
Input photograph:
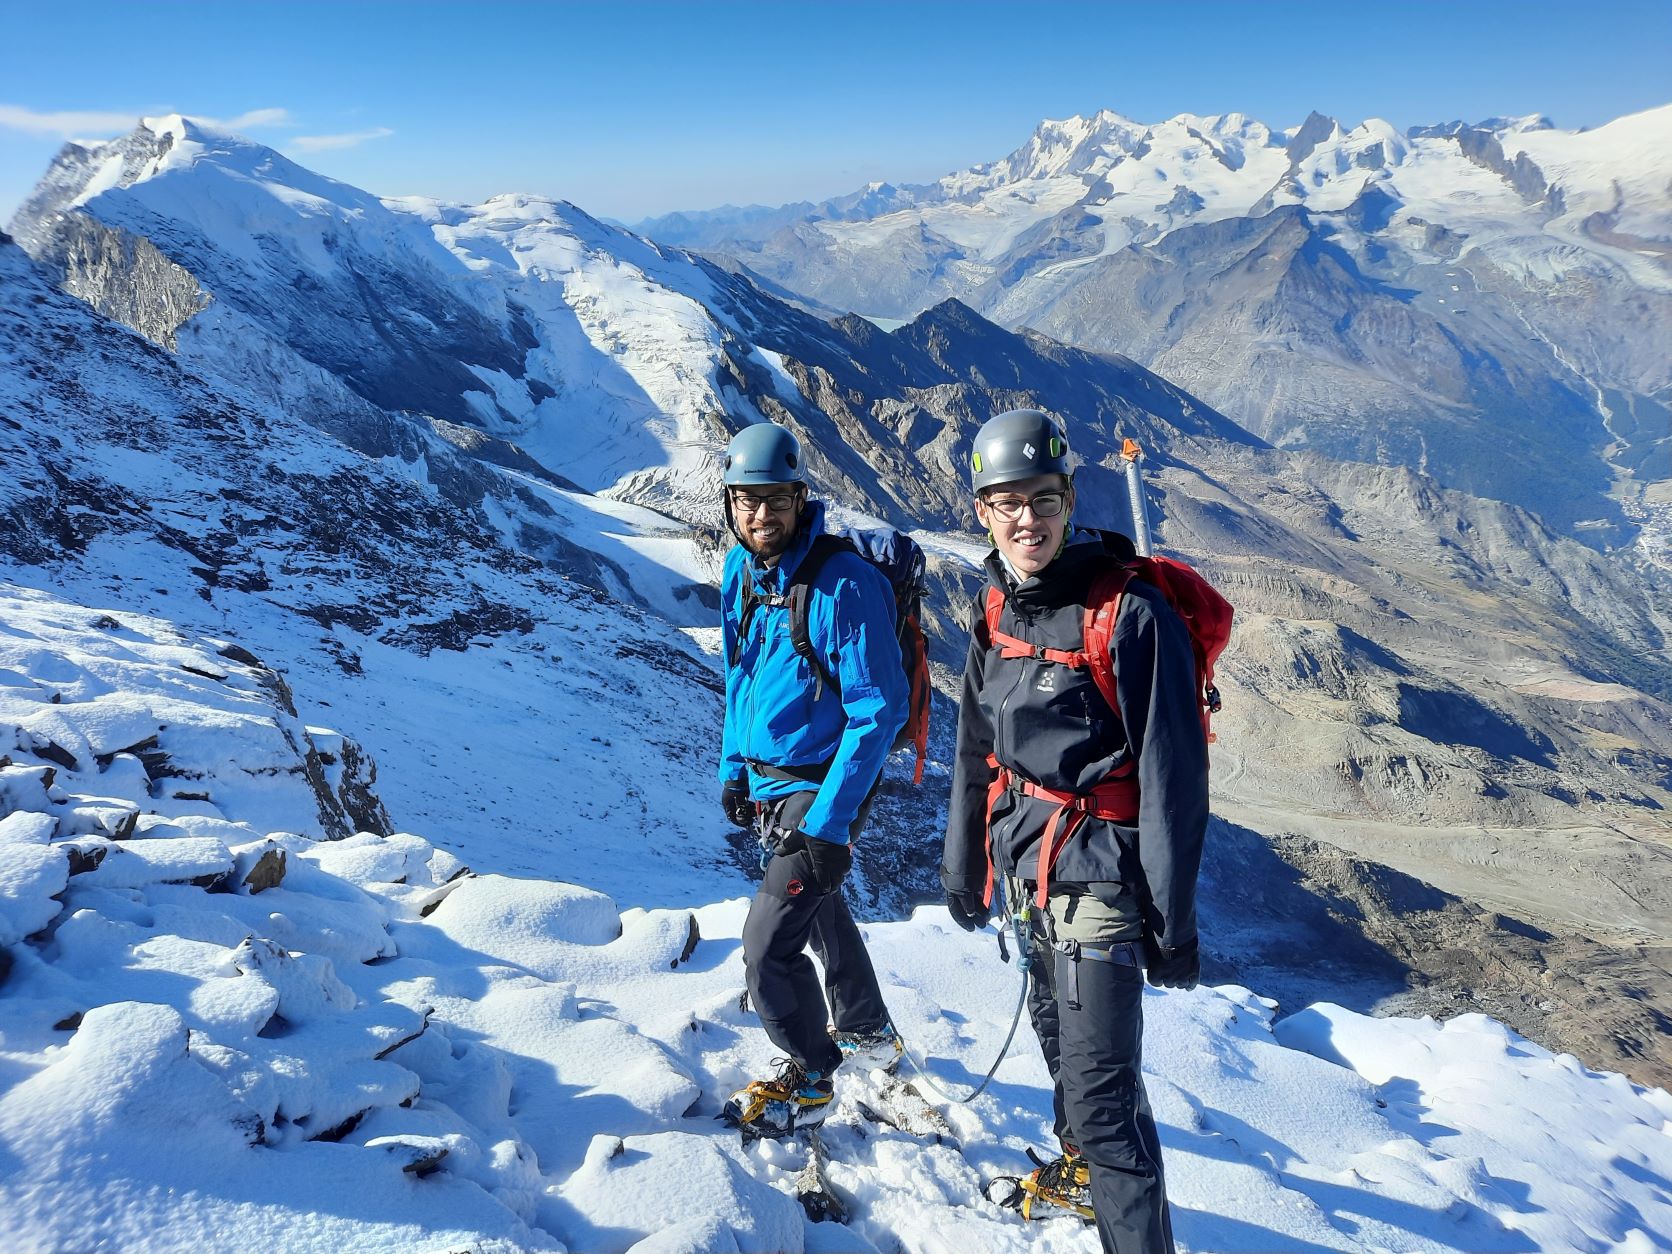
(221, 1036)
(399, 605)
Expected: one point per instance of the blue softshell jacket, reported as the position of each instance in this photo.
(777, 712)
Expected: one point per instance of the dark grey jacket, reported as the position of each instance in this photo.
(1048, 723)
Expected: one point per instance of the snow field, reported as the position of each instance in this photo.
(375, 1050)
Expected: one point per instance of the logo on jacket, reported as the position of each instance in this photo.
(793, 888)
(1047, 681)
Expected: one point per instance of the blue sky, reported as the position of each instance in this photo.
(633, 109)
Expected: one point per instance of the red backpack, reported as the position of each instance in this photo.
(1206, 615)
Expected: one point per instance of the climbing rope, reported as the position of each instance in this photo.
(1019, 921)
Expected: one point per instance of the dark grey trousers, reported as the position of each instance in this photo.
(1090, 1020)
(783, 985)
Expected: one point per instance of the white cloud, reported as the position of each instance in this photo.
(75, 123)
(327, 143)
(65, 125)
(254, 120)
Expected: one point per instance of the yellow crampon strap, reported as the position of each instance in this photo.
(757, 1102)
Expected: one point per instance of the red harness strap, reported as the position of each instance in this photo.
(1114, 797)
(1015, 646)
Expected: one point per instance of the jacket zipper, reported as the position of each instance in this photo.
(1021, 674)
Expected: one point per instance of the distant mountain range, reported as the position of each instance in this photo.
(1490, 303)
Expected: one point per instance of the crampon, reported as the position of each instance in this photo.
(1053, 1189)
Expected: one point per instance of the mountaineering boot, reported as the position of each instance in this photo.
(791, 1100)
(871, 1050)
(1059, 1187)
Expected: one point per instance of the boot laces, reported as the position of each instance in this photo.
(790, 1075)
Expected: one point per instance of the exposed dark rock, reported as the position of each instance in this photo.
(123, 276)
(238, 653)
(1314, 131)
(85, 858)
(428, 905)
(338, 1131)
(55, 753)
(268, 871)
(357, 793)
(423, 1026)
(419, 1155)
(692, 937)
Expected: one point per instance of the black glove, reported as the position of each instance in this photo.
(830, 862)
(827, 863)
(734, 800)
(967, 909)
(1172, 968)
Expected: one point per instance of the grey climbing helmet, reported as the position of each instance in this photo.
(761, 454)
(1015, 445)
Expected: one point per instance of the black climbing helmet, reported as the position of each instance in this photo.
(1015, 445)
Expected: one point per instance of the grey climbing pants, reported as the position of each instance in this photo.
(1086, 1003)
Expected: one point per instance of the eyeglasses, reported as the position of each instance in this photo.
(749, 503)
(1043, 504)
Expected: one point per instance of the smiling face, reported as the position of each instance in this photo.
(766, 516)
(1027, 541)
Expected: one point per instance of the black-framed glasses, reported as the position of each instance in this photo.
(1043, 504)
(749, 503)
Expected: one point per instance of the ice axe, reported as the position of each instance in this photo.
(1130, 456)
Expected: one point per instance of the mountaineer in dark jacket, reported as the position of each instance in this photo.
(802, 758)
(1119, 794)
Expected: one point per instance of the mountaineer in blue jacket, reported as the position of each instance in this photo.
(802, 758)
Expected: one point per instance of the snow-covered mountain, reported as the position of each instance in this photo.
(1410, 660)
(616, 365)
(399, 597)
(1489, 303)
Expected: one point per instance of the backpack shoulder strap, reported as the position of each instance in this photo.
(992, 611)
(751, 602)
(824, 547)
(1103, 602)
